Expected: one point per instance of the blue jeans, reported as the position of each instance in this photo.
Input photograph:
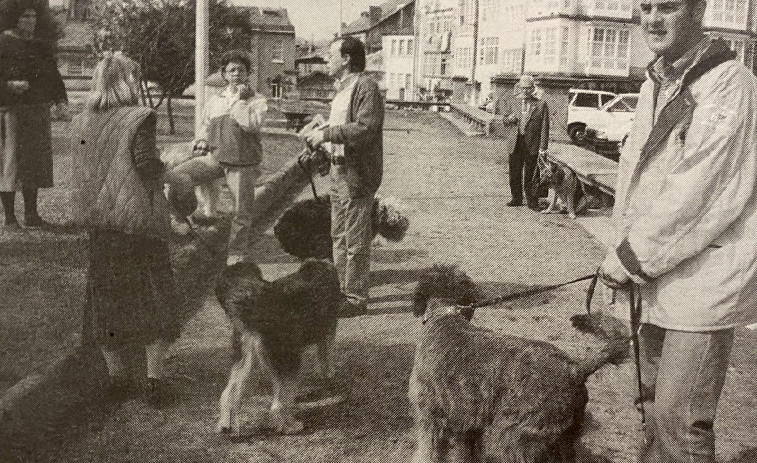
(682, 376)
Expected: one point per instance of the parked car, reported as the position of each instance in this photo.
(608, 140)
(582, 107)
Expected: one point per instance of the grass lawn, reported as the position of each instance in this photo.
(43, 272)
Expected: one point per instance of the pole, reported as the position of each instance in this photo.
(201, 60)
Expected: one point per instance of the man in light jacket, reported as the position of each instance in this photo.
(355, 132)
(686, 226)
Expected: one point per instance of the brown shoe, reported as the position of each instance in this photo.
(349, 309)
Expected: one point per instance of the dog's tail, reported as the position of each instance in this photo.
(615, 350)
(389, 218)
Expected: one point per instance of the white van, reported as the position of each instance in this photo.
(582, 108)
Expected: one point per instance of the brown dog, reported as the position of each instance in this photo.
(475, 394)
(277, 321)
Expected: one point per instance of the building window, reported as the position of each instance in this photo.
(536, 42)
(401, 48)
(407, 80)
(728, 13)
(608, 49)
(489, 50)
(277, 51)
(410, 46)
(275, 90)
(394, 48)
(564, 46)
(444, 66)
(392, 80)
(550, 46)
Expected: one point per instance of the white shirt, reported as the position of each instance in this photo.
(249, 114)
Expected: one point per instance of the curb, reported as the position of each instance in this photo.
(276, 188)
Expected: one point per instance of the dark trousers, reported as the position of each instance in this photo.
(523, 172)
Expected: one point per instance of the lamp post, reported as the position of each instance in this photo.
(201, 60)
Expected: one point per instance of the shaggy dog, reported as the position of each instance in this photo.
(476, 394)
(277, 321)
(304, 230)
(207, 195)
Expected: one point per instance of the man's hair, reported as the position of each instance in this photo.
(236, 56)
(114, 83)
(354, 48)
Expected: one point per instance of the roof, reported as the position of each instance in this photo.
(314, 57)
(270, 19)
(76, 35)
(362, 24)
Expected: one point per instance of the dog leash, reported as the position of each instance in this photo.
(635, 308)
(526, 293)
(309, 174)
(634, 297)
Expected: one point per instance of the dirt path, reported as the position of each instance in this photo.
(455, 190)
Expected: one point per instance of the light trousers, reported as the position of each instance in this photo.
(682, 375)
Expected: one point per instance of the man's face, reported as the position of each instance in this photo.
(27, 23)
(235, 73)
(336, 63)
(669, 24)
(527, 91)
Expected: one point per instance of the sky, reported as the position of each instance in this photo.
(316, 18)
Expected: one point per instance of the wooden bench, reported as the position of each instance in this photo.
(590, 168)
(478, 119)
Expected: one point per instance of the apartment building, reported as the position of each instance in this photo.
(435, 25)
(398, 59)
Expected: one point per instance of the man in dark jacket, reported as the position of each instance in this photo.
(355, 134)
(532, 117)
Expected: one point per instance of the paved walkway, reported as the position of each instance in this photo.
(454, 188)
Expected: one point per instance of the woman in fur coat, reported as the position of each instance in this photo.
(29, 84)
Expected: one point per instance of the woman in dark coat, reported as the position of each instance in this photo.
(29, 84)
(118, 196)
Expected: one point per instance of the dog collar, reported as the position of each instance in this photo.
(451, 310)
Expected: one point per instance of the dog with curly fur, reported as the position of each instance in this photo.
(479, 396)
(304, 230)
(277, 321)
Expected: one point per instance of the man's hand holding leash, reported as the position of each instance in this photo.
(612, 273)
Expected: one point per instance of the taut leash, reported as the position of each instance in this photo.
(526, 293)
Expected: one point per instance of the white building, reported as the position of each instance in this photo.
(399, 53)
(435, 24)
(596, 40)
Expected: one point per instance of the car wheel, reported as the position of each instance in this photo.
(577, 133)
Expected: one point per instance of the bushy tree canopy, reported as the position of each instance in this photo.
(160, 36)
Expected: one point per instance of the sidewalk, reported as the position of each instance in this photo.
(455, 190)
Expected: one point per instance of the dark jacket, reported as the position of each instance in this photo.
(362, 137)
(33, 61)
(536, 133)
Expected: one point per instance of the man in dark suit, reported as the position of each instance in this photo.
(532, 117)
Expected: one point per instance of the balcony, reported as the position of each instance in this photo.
(549, 8)
(616, 9)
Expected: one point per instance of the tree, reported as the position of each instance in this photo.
(160, 36)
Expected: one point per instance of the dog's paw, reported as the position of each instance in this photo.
(283, 422)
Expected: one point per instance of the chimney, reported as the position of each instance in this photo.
(374, 15)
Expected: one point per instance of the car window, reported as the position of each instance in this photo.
(606, 98)
(631, 101)
(619, 106)
(585, 100)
